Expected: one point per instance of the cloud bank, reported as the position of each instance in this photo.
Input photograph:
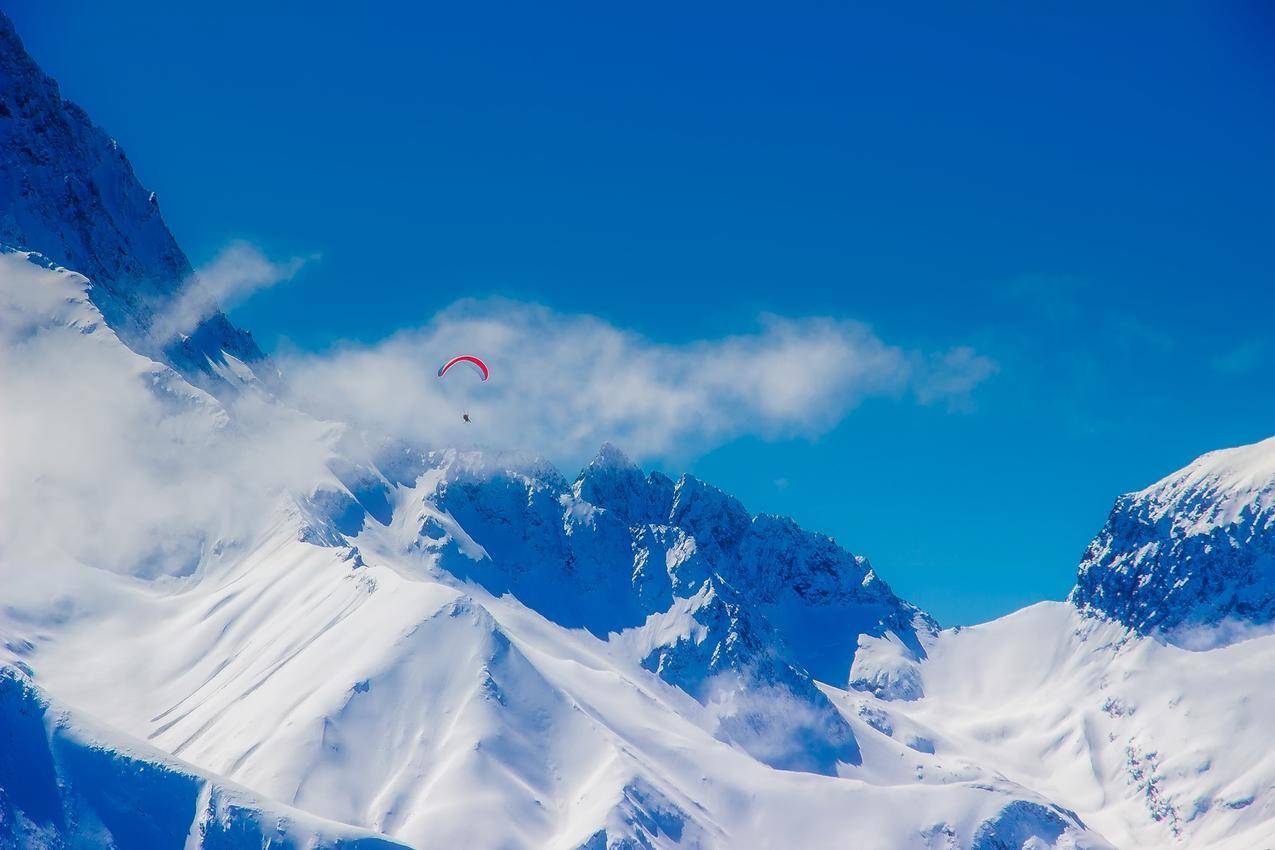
(561, 384)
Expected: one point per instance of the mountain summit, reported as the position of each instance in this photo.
(68, 192)
(1196, 548)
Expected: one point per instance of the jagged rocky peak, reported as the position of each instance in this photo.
(619, 546)
(615, 483)
(719, 521)
(68, 192)
(610, 553)
(763, 554)
(1196, 548)
(611, 458)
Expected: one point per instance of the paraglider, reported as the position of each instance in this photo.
(465, 358)
(471, 361)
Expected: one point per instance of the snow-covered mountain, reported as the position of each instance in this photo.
(359, 645)
(225, 623)
(1196, 548)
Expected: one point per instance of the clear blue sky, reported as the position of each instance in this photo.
(1086, 198)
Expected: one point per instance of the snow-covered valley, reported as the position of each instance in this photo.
(226, 622)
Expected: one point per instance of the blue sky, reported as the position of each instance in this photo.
(1086, 199)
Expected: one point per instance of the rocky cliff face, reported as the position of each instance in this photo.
(1194, 549)
(68, 191)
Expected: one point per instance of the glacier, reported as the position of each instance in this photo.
(226, 622)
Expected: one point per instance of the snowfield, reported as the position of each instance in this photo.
(1151, 744)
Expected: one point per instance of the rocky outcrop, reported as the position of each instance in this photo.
(1195, 549)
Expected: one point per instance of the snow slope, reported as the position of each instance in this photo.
(65, 782)
(1153, 745)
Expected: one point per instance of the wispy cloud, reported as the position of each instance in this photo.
(227, 280)
(562, 384)
(241, 269)
(1241, 359)
(950, 377)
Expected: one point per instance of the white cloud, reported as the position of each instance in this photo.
(240, 269)
(233, 275)
(1204, 637)
(561, 384)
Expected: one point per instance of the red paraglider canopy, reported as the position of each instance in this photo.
(465, 358)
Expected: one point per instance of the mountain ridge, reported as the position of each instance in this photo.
(467, 648)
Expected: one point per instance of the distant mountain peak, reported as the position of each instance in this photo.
(1197, 548)
(610, 457)
(613, 482)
